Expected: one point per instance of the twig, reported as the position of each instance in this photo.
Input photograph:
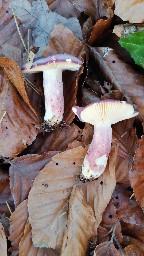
(8, 207)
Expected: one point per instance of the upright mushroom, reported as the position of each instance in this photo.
(102, 115)
(52, 68)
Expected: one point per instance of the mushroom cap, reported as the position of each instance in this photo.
(105, 112)
(57, 61)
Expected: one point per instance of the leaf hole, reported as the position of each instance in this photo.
(101, 182)
(113, 61)
(110, 216)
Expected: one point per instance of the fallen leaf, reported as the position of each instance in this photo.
(62, 40)
(19, 125)
(29, 14)
(125, 29)
(26, 247)
(130, 10)
(16, 78)
(23, 171)
(18, 220)
(49, 197)
(129, 212)
(121, 75)
(136, 174)
(133, 250)
(98, 29)
(63, 7)
(80, 227)
(127, 240)
(98, 192)
(3, 241)
(106, 248)
(58, 139)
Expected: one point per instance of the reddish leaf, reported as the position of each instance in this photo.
(49, 197)
(129, 213)
(106, 248)
(132, 241)
(62, 40)
(19, 125)
(136, 174)
(23, 171)
(121, 75)
(81, 225)
(133, 250)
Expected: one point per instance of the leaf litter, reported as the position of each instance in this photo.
(51, 209)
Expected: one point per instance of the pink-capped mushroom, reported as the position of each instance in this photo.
(102, 115)
(52, 68)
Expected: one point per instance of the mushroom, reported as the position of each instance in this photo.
(52, 68)
(102, 115)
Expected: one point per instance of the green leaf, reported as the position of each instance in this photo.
(134, 44)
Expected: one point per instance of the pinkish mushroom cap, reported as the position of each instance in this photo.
(102, 115)
(52, 68)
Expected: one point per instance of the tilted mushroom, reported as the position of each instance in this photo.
(102, 115)
(52, 68)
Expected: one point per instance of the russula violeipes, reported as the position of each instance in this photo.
(102, 115)
(52, 68)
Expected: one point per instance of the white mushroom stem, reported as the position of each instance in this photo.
(95, 160)
(54, 99)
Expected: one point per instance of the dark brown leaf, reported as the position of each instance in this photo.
(121, 75)
(63, 7)
(19, 125)
(23, 171)
(106, 248)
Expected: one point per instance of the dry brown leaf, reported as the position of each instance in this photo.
(133, 250)
(124, 78)
(98, 29)
(18, 220)
(130, 10)
(58, 139)
(49, 197)
(26, 247)
(106, 249)
(136, 174)
(129, 212)
(23, 171)
(16, 78)
(80, 227)
(3, 241)
(19, 125)
(63, 7)
(127, 240)
(99, 192)
(94, 9)
(62, 40)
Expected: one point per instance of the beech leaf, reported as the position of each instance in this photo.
(49, 197)
(134, 44)
(18, 220)
(81, 225)
(3, 241)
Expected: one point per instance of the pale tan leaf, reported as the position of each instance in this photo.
(18, 220)
(130, 10)
(48, 198)
(81, 225)
(26, 247)
(3, 241)
(99, 192)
